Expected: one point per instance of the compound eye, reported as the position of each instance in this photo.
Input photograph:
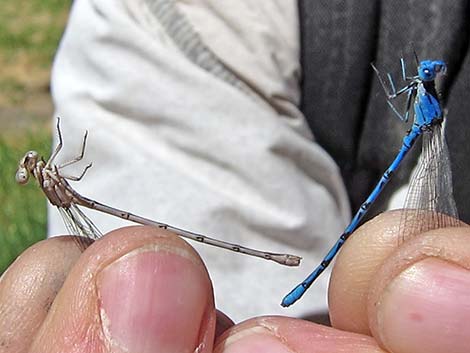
(32, 154)
(22, 176)
(30, 160)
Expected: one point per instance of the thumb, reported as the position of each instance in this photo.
(420, 301)
(138, 289)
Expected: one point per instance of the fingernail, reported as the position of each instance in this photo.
(426, 309)
(254, 340)
(153, 299)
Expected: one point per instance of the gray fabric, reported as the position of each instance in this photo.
(343, 101)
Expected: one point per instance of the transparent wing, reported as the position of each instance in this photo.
(430, 203)
(79, 225)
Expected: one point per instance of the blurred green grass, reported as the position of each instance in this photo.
(23, 216)
(30, 31)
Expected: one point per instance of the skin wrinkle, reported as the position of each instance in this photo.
(319, 333)
(274, 330)
(262, 329)
(239, 334)
(87, 333)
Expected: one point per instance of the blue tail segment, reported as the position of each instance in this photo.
(419, 89)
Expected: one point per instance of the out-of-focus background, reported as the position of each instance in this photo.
(30, 31)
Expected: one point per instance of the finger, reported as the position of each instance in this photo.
(28, 288)
(285, 335)
(138, 289)
(355, 268)
(356, 265)
(420, 299)
(362, 279)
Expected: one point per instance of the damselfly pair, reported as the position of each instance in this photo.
(430, 189)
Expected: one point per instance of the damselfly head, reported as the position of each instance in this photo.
(428, 70)
(26, 167)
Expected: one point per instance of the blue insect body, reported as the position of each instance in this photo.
(427, 113)
(428, 69)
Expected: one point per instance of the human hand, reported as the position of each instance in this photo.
(140, 289)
